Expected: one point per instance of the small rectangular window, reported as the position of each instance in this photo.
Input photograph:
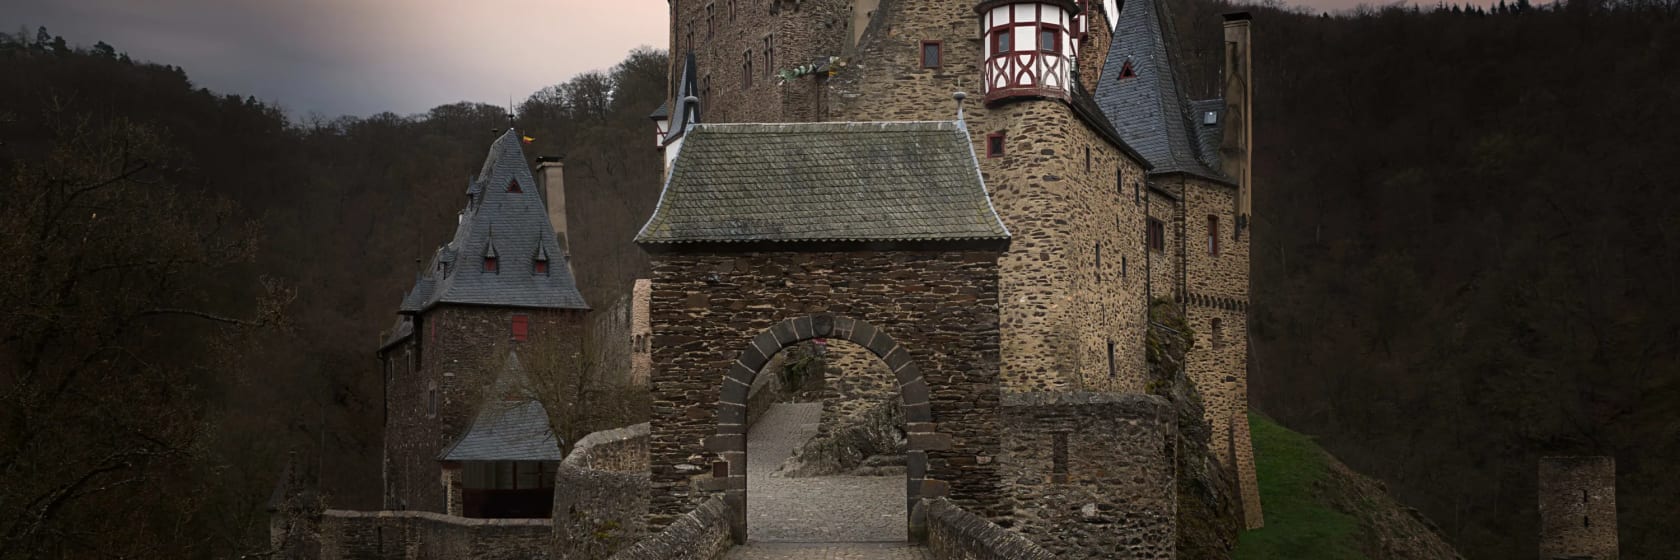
(746, 70)
(932, 57)
(1213, 236)
(1002, 41)
(994, 145)
(711, 24)
(1112, 370)
(1048, 40)
(1157, 235)
(521, 326)
(1058, 457)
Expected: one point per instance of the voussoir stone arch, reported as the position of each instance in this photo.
(730, 443)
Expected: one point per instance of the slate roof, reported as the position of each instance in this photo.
(507, 431)
(797, 182)
(1208, 136)
(514, 227)
(1150, 110)
(399, 332)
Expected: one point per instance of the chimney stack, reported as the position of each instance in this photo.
(551, 179)
(1235, 147)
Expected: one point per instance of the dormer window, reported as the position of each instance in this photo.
(490, 264)
(513, 186)
(1126, 70)
(539, 263)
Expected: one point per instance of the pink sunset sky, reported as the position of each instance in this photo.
(358, 57)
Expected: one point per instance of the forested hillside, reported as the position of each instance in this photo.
(1464, 259)
(1465, 250)
(195, 285)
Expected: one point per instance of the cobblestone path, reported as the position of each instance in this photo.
(825, 517)
(829, 551)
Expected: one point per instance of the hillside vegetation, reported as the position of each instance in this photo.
(1318, 509)
(195, 285)
(1464, 252)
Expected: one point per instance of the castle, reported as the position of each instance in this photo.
(995, 257)
(1117, 189)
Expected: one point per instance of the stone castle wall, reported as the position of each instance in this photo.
(954, 534)
(939, 305)
(1091, 475)
(700, 534)
(1216, 307)
(600, 493)
(796, 33)
(1578, 508)
(453, 345)
(409, 535)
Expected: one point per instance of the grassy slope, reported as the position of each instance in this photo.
(1318, 509)
(1298, 524)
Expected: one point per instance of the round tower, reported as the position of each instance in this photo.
(1030, 48)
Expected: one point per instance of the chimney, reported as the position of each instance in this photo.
(551, 179)
(1236, 158)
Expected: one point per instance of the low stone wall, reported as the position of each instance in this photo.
(619, 450)
(702, 534)
(766, 390)
(1091, 475)
(954, 534)
(404, 535)
(601, 493)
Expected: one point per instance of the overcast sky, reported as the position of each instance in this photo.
(359, 57)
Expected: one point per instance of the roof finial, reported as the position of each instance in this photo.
(960, 97)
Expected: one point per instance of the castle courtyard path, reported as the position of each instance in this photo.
(821, 518)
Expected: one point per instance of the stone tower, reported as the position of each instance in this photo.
(502, 281)
(1578, 508)
(1113, 198)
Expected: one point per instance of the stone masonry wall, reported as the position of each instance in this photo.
(1216, 290)
(641, 343)
(600, 493)
(1091, 475)
(408, 535)
(457, 347)
(619, 449)
(939, 305)
(795, 33)
(1578, 508)
(954, 534)
(701, 534)
(1060, 312)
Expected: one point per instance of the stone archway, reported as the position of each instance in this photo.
(730, 441)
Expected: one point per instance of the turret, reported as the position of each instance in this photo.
(1030, 48)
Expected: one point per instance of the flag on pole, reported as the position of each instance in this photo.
(527, 139)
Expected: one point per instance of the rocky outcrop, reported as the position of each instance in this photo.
(1209, 507)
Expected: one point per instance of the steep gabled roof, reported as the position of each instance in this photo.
(507, 431)
(835, 181)
(1150, 110)
(518, 223)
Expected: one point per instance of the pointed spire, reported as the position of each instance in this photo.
(687, 100)
(1140, 93)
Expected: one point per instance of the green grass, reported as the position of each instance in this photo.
(1299, 526)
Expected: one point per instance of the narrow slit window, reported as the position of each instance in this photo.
(1213, 235)
(1113, 371)
(1216, 331)
(1099, 262)
(1058, 457)
(1157, 235)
